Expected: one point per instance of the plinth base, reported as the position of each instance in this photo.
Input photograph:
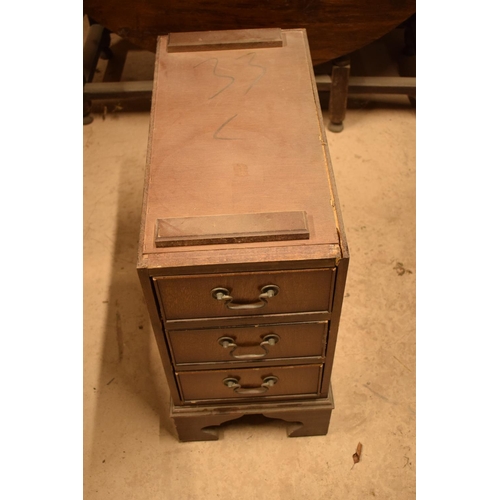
(305, 417)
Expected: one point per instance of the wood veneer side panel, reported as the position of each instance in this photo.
(343, 263)
(147, 173)
(338, 212)
(328, 160)
(338, 299)
(156, 322)
(142, 270)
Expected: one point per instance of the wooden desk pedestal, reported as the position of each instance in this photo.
(243, 257)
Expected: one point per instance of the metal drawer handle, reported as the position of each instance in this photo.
(267, 292)
(271, 339)
(233, 383)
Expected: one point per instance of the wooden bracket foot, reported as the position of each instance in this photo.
(200, 422)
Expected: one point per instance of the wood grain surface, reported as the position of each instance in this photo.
(245, 136)
(222, 229)
(224, 40)
(334, 27)
(203, 346)
(308, 417)
(292, 381)
(242, 150)
(189, 297)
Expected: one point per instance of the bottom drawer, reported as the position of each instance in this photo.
(250, 382)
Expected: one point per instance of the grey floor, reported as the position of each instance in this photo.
(130, 448)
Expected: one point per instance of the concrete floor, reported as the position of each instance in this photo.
(131, 451)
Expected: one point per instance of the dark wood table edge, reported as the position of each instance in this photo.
(339, 84)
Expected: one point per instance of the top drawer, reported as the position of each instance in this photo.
(245, 294)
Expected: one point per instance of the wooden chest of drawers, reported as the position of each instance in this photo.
(242, 256)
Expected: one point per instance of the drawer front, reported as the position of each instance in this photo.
(245, 294)
(249, 343)
(251, 383)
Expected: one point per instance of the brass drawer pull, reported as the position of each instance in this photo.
(271, 339)
(267, 292)
(233, 383)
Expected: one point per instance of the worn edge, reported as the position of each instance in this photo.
(141, 266)
(324, 141)
(142, 230)
(173, 47)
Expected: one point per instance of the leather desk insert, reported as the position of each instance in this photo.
(242, 254)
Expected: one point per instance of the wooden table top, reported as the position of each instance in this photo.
(334, 27)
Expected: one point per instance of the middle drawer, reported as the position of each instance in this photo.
(248, 343)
